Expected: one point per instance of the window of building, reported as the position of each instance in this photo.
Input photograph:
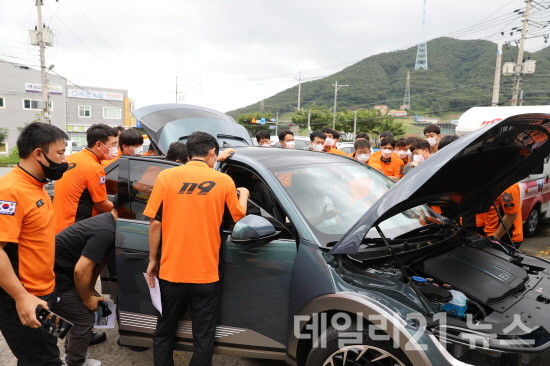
(2, 102)
(35, 104)
(112, 112)
(84, 111)
(4, 147)
(31, 104)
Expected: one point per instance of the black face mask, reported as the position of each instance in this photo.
(55, 170)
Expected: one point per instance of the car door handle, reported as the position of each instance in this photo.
(135, 255)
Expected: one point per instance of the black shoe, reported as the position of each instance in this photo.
(98, 337)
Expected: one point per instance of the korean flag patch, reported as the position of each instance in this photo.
(102, 180)
(7, 208)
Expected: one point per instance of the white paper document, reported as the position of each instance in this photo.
(155, 293)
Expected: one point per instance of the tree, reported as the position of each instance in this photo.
(319, 118)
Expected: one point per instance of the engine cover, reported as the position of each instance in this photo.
(482, 276)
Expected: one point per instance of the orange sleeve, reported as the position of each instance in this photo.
(510, 200)
(11, 217)
(232, 201)
(96, 185)
(156, 198)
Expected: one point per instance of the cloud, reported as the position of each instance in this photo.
(226, 53)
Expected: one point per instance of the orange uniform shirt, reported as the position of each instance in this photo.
(192, 199)
(81, 186)
(509, 202)
(392, 168)
(26, 219)
(336, 151)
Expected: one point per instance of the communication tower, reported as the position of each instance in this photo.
(422, 51)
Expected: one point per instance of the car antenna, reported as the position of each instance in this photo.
(402, 268)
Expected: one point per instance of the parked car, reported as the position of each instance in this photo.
(335, 264)
(301, 142)
(346, 147)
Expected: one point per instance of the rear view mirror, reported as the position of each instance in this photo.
(253, 230)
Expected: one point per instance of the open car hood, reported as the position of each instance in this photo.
(465, 176)
(167, 123)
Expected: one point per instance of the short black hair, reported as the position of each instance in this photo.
(389, 140)
(315, 134)
(411, 139)
(130, 137)
(432, 128)
(361, 144)
(446, 140)
(100, 132)
(327, 130)
(177, 151)
(38, 135)
(419, 144)
(283, 133)
(120, 128)
(385, 134)
(262, 134)
(402, 142)
(199, 143)
(362, 136)
(335, 134)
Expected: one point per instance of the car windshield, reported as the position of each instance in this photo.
(332, 197)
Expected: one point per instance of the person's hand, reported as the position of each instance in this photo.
(152, 272)
(91, 302)
(226, 154)
(26, 309)
(243, 190)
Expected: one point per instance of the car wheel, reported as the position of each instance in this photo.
(532, 222)
(368, 352)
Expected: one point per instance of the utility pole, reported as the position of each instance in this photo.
(299, 89)
(277, 124)
(355, 124)
(309, 121)
(517, 77)
(407, 97)
(176, 88)
(43, 71)
(336, 87)
(496, 84)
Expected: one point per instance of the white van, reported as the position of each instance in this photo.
(534, 189)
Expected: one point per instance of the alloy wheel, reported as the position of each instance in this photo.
(362, 355)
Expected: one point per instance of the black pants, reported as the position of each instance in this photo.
(31, 347)
(175, 298)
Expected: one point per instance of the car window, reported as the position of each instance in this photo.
(262, 201)
(143, 175)
(333, 197)
(111, 180)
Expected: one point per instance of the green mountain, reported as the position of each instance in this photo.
(460, 76)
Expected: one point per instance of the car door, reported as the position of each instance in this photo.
(256, 280)
(253, 311)
(135, 183)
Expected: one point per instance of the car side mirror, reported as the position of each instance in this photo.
(253, 230)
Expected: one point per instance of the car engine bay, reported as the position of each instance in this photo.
(483, 286)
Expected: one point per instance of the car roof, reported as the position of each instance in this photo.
(273, 157)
